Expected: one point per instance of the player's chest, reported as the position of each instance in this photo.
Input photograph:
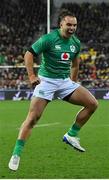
(64, 51)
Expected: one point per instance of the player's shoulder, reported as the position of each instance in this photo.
(51, 36)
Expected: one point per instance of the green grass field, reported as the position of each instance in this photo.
(45, 156)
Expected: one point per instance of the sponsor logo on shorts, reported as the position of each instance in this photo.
(41, 92)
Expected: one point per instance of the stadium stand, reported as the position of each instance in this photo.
(21, 22)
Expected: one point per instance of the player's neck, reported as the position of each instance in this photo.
(64, 35)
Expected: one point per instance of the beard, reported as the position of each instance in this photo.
(70, 32)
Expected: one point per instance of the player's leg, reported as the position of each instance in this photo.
(43, 93)
(36, 109)
(83, 97)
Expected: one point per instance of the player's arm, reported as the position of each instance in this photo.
(29, 62)
(37, 48)
(75, 69)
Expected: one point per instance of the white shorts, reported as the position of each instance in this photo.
(50, 88)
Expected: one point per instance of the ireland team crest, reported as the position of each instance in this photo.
(73, 48)
(65, 56)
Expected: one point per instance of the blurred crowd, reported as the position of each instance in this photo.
(93, 21)
(94, 69)
(22, 22)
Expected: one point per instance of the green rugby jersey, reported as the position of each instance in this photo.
(57, 54)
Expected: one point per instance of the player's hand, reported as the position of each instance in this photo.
(34, 81)
(34, 84)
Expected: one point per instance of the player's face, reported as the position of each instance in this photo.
(68, 26)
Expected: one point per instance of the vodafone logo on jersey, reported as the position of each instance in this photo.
(65, 56)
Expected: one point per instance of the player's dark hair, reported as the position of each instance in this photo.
(63, 14)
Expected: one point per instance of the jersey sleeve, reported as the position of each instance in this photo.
(77, 55)
(41, 45)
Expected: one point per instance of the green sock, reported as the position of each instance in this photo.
(18, 147)
(73, 131)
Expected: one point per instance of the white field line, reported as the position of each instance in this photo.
(67, 125)
(47, 124)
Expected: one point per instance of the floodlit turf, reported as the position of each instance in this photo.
(45, 156)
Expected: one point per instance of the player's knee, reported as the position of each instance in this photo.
(34, 116)
(93, 105)
(34, 120)
(32, 123)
